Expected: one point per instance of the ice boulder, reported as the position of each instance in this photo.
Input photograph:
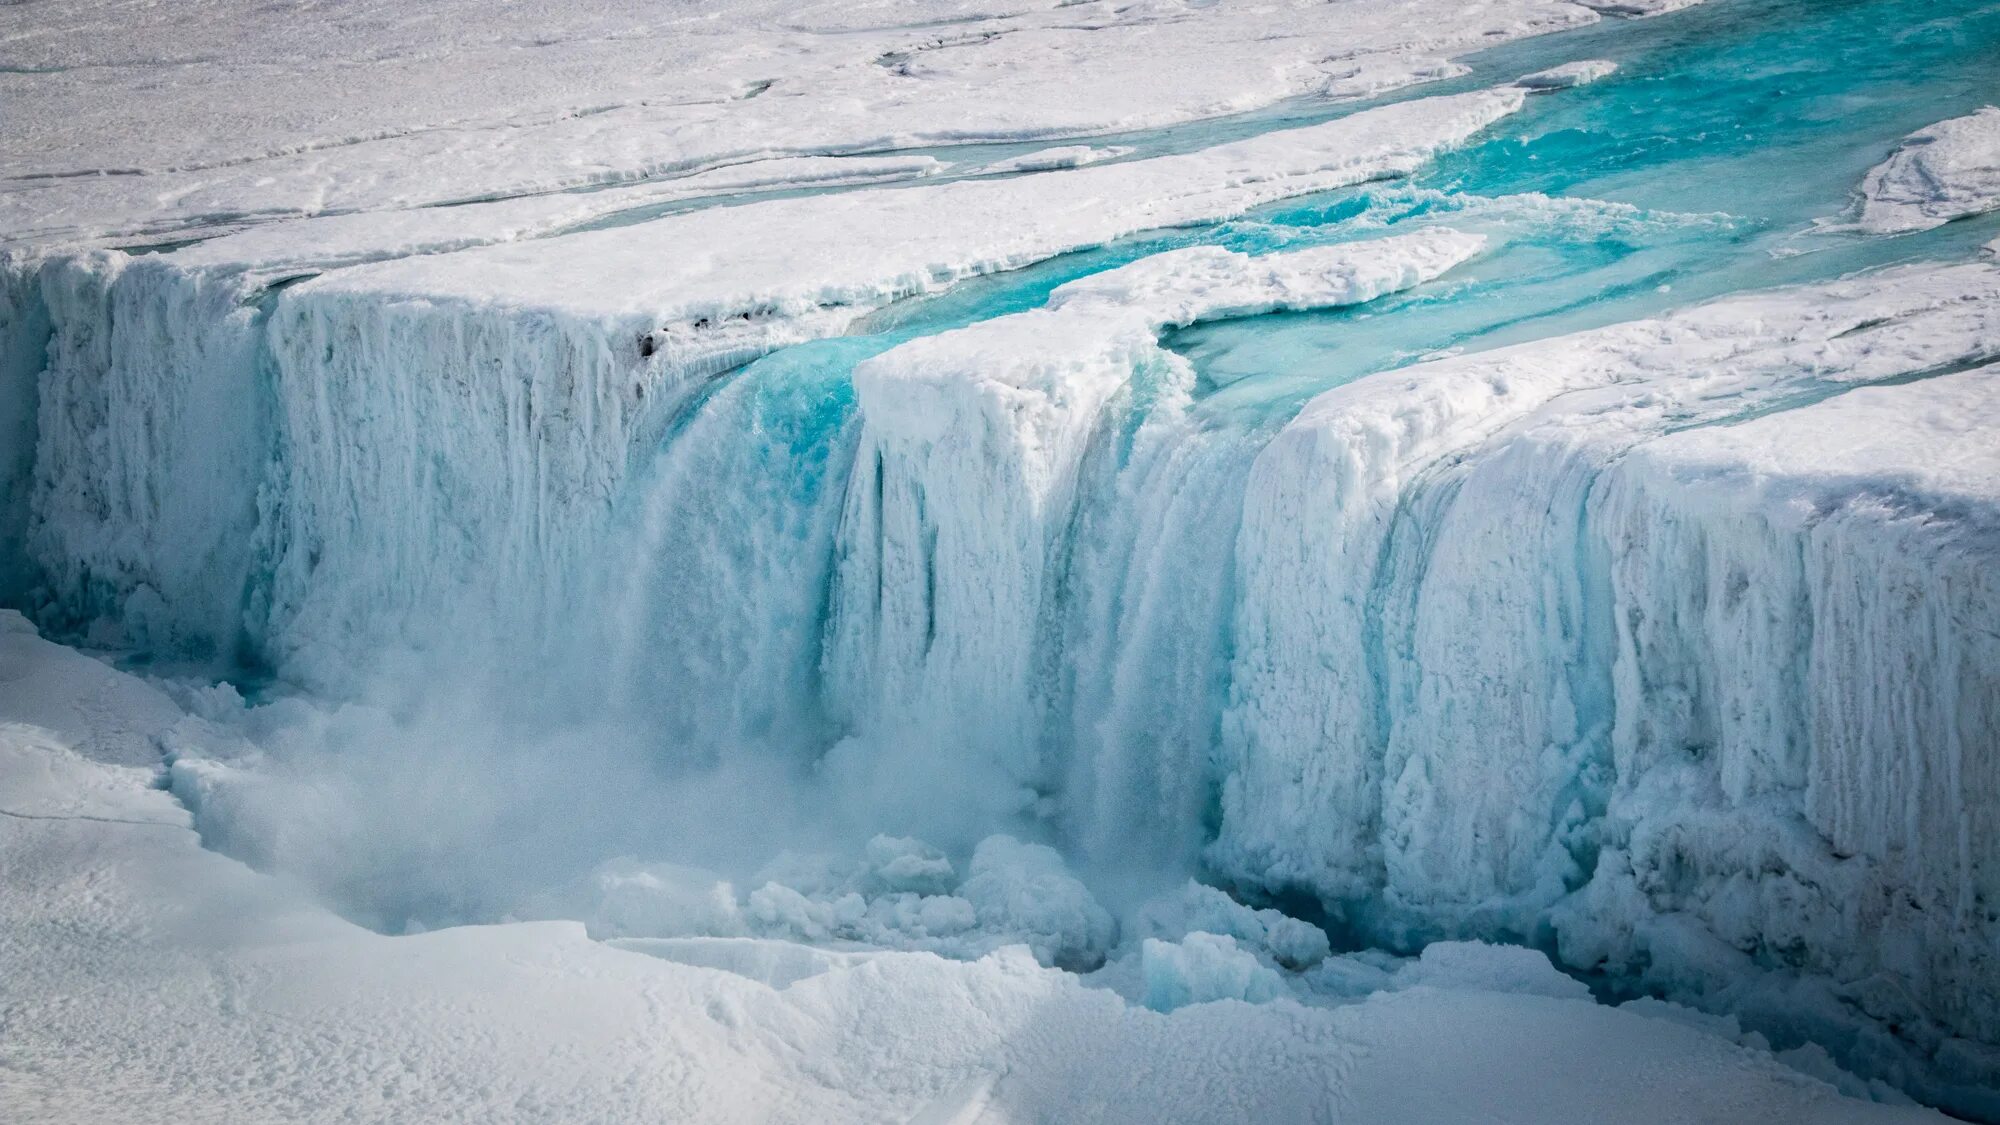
(1288, 941)
(1580, 73)
(1489, 968)
(1027, 891)
(903, 864)
(1204, 967)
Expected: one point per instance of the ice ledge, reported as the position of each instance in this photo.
(1941, 172)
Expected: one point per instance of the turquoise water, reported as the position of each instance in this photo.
(1699, 169)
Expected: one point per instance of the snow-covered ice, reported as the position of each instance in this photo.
(1939, 173)
(466, 102)
(976, 560)
(597, 339)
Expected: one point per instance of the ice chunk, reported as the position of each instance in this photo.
(1201, 968)
(1580, 73)
(1290, 942)
(1049, 159)
(1496, 968)
(1939, 173)
(899, 863)
(658, 900)
(1027, 890)
(1638, 8)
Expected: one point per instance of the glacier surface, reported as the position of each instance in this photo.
(963, 561)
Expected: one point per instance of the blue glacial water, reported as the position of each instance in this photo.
(1702, 167)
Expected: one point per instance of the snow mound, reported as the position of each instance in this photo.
(1497, 968)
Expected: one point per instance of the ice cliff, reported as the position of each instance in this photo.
(1666, 647)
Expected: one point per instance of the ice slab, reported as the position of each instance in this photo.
(1664, 691)
(1939, 173)
(1568, 75)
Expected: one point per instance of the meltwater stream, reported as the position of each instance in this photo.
(1184, 586)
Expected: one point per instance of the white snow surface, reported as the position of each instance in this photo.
(139, 966)
(1939, 173)
(125, 121)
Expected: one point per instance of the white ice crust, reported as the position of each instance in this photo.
(1666, 647)
(1939, 173)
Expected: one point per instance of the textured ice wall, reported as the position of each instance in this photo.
(239, 457)
(24, 335)
(151, 426)
(950, 602)
(1512, 658)
(1389, 517)
(1807, 690)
